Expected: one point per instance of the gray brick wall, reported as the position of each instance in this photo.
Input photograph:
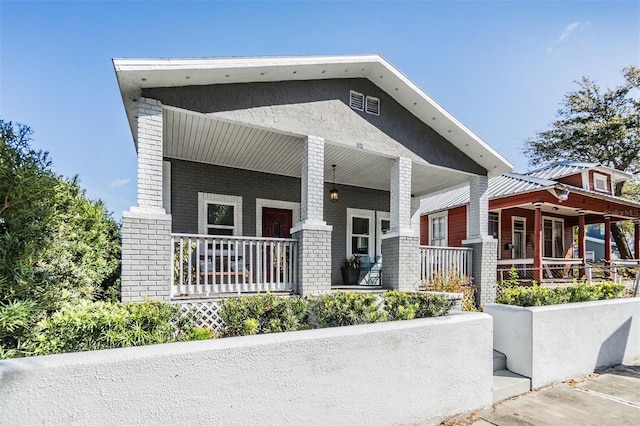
(484, 269)
(149, 154)
(401, 263)
(314, 260)
(146, 256)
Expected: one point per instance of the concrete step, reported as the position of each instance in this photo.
(499, 361)
(507, 384)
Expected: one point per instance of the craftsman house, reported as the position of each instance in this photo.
(535, 217)
(259, 174)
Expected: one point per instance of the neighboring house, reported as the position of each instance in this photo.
(533, 216)
(595, 245)
(235, 173)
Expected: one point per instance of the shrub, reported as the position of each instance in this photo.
(540, 296)
(343, 308)
(86, 325)
(452, 282)
(262, 314)
(405, 305)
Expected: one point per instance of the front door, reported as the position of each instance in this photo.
(276, 223)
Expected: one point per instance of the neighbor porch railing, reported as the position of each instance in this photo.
(207, 265)
(440, 261)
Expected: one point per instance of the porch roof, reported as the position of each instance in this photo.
(135, 74)
(566, 168)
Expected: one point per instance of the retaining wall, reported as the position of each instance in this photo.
(554, 343)
(400, 372)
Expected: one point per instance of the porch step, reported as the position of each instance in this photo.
(507, 384)
(499, 361)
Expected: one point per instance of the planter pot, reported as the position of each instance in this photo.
(350, 276)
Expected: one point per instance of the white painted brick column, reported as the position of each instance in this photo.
(400, 245)
(146, 228)
(485, 247)
(312, 232)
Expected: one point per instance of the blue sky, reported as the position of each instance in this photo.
(500, 67)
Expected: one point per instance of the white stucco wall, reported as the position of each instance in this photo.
(389, 373)
(554, 343)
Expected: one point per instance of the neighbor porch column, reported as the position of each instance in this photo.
(146, 228)
(582, 246)
(537, 243)
(485, 247)
(636, 239)
(401, 243)
(607, 238)
(312, 232)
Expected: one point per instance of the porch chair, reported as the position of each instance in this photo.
(372, 269)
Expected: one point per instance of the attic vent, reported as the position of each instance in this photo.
(356, 100)
(373, 105)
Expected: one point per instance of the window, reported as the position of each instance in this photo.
(219, 214)
(553, 232)
(519, 241)
(360, 231)
(494, 228)
(356, 100)
(438, 229)
(382, 227)
(600, 182)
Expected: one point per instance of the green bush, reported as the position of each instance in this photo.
(86, 325)
(262, 314)
(343, 308)
(405, 305)
(541, 296)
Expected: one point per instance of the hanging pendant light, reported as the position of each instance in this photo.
(333, 194)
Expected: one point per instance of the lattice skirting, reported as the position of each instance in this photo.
(203, 313)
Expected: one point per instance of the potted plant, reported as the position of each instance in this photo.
(351, 270)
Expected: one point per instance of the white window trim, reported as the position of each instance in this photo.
(444, 214)
(513, 232)
(499, 232)
(599, 177)
(276, 204)
(166, 186)
(367, 214)
(553, 247)
(205, 198)
(380, 217)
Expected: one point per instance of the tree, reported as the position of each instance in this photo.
(599, 126)
(56, 245)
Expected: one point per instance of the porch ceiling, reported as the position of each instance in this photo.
(196, 137)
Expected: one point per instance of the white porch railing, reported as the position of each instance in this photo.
(441, 261)
(208, 265)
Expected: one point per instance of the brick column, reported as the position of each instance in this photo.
(312, 232)
(400, 245)
(484, 260)
(146, 228)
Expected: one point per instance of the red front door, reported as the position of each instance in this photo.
(276, 223)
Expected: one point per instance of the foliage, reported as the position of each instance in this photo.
(540, 296)
(344, 308)
(353, 262)
(406, 305)
(452, 282)
(84, 325)
(596, 126)
(262, 314)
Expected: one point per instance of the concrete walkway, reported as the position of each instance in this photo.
(611, 397)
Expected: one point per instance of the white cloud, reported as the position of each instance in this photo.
(119, 183)
(566, 32)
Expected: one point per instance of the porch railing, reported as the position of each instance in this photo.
(440, 261)
(207, 265)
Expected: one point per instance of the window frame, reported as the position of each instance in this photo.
(363, 214)
(602, 178)
(204, 199)
(499, 214)
(553, 221)
(445, 238)
(524, 236)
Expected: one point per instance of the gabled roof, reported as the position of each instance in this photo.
(135, 74)
(567, 168)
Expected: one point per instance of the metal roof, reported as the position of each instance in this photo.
(561, 169)
(499, 186)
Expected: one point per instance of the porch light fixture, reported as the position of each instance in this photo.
(563, 195)
(333, 194)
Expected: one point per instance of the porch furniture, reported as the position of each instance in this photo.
(225, 269)
(372, 269)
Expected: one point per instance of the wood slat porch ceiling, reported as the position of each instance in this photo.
(196, 137)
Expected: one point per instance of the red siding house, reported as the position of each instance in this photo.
(535, 216)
